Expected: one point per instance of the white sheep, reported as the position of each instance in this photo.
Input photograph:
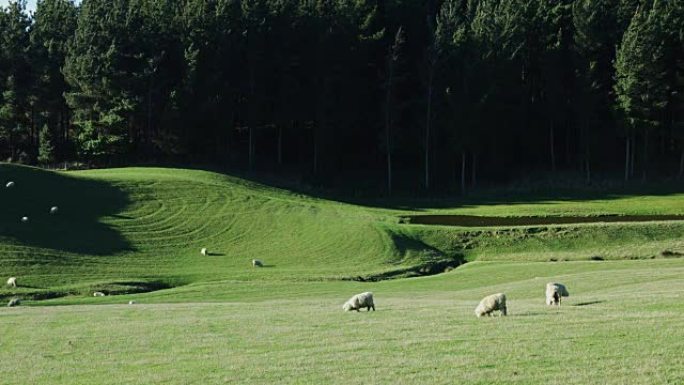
(257, 263)
(490, 304)
(9, 184)
(54, 209)
(554, 293)
(359, 301)
(12, 281)
(24, 219)
(204, 251)
(132, 302)
(98, 294)
(14, 302)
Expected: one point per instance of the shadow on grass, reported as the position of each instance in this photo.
(425, 259)
(501, 195)
(76, 226)
(119, 216)
(562, 186)
(588, 303)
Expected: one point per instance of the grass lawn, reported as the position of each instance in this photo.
(622, 324)
(215, 319)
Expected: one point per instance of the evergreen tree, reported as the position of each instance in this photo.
(453, 37)
(672, 25)
(467, 88)
(599, 26)
(641, 89)
(393, 57)
(53, 27)
(46, 151)
(97, 69)
(255, 16)
(16, 106)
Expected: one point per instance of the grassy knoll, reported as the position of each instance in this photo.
(140, 225)
(167, 216)
(215, 319)
(622, 324)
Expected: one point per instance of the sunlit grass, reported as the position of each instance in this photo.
(216, 319)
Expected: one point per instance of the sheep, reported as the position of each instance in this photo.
(24, 219)
(204, 251)
(54, 209)
(490, 304)
(132, 302)
(14, 302)
(257, 263)
(554, 293)
(358, 301)
(98, 294)
(9, 184)
(12, 281)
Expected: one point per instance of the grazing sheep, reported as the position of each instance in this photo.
(132, 302)
(14, 302)
(554, 293)
(54, 209)
(12, 281)
(490, 304)
(9, 184)
(204, 251)
(257, 263)
(358, 301)
(24, 219)
(98, 294)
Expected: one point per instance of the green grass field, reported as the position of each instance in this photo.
(136, 234)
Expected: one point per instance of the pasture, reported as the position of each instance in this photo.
(136, 234)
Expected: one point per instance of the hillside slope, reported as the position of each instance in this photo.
(149, 224)
(141, 229)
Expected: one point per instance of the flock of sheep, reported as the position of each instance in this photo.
(255, 262)
(12, 281)
(491, 303)
(488, 305)
(53, 209)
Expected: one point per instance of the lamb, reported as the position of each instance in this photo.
(554, 293)
(9, 184)
(490, 304)
(98, 294)
(204, 251)
(12, 281)
(358, 301)
(54, 209)
(14, 302)
(257, 263)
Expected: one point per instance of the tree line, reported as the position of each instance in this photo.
(401, 94)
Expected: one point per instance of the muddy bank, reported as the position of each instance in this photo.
(481, 221)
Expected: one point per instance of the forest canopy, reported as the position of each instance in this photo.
(432, 93)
